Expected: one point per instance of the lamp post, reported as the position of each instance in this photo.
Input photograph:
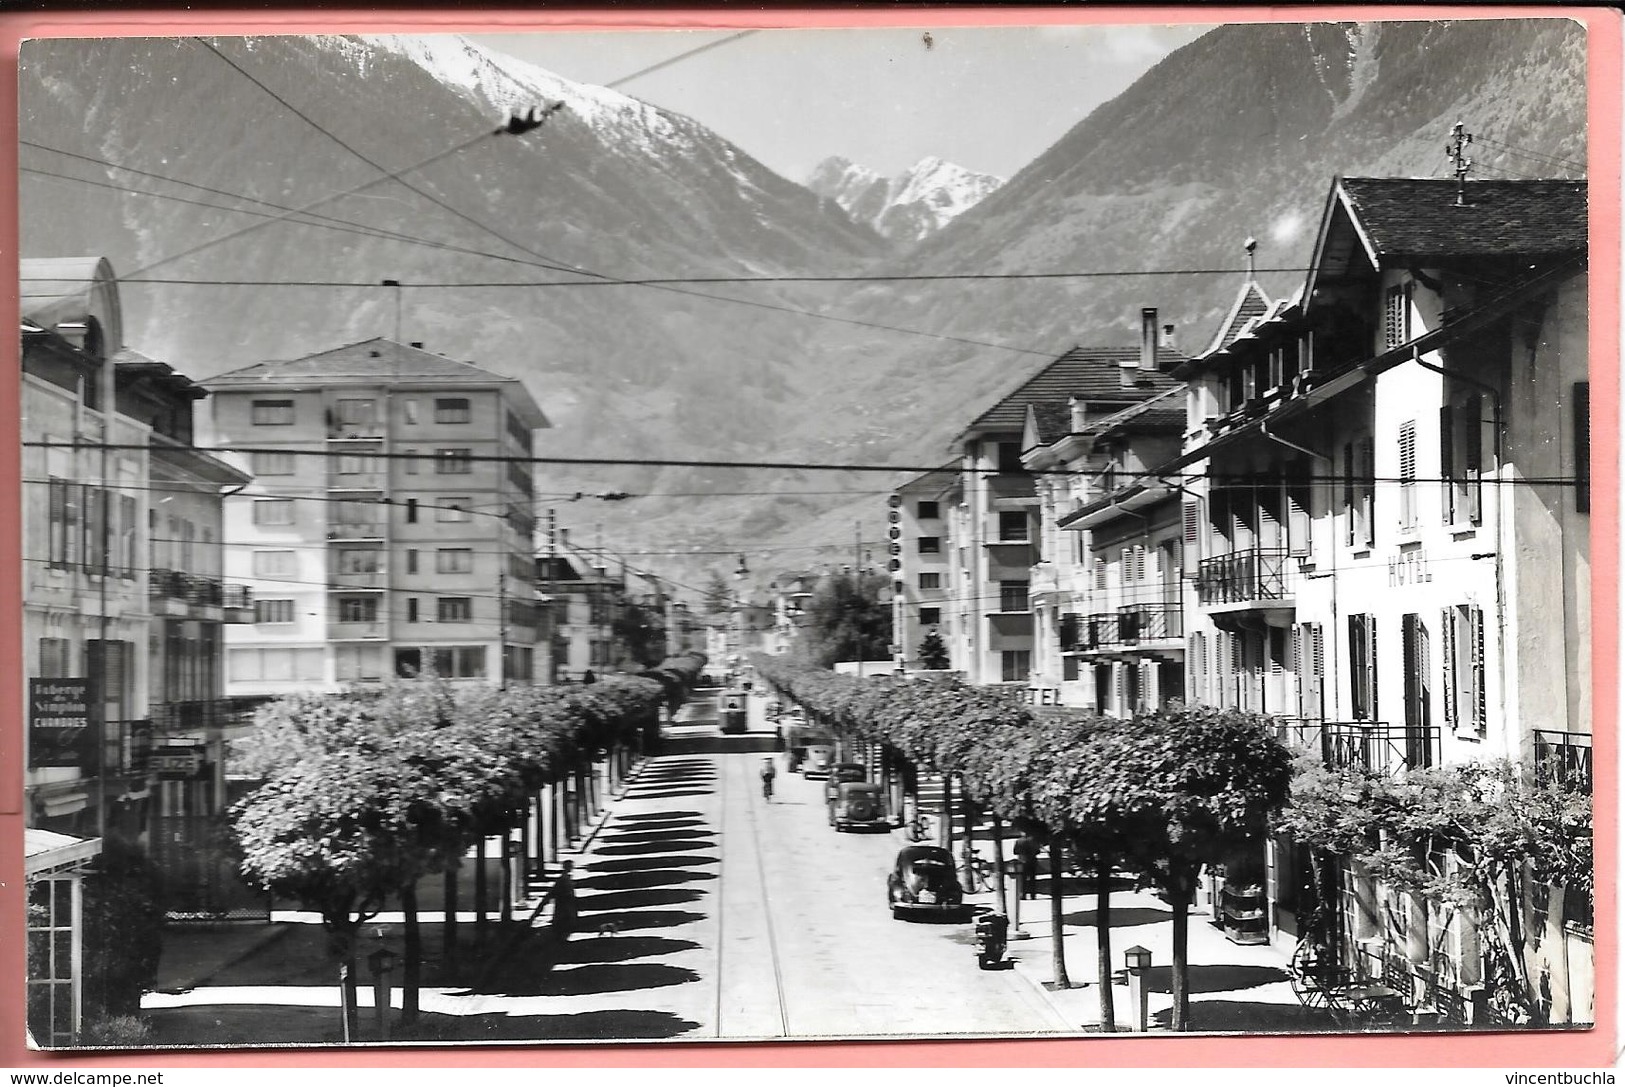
(1138, 961)
(381, 962)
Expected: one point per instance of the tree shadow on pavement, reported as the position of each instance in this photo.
(221, 1025)
(1127, 917)
(641, 864)
(1253, 1017)
(614, 1025)
(661, 834)
(1214, 979)
(627, 881)
(618, 949)
(644, 919)
(615, 901)
(661, 817)
(665, 793)
(637, 848)
(595, 978)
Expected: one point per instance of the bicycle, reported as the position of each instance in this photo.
(982, 873)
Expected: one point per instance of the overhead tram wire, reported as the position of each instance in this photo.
(808, 466)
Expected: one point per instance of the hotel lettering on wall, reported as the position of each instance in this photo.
(59, 723)
(1410, 568)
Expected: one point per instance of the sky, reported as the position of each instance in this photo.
(990, 99)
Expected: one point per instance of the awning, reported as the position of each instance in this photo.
(46, 851)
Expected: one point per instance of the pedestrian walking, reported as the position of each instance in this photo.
(768, 773)
(1026, 850)
(564, 902)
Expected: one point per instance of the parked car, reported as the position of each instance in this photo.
(923, 879)
(859, 804)
(818, 760)
(839, 774)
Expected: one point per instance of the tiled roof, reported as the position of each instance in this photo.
(1417, 217)
(1161, 414)
(1052, 421)
(368, 361)
(1088, 373)
(1250, 304)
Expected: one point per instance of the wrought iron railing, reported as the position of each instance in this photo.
(237, 596)
(1255, 573)
(1563, 757)
(191, 588)
(1150, 622)
(1373, 747)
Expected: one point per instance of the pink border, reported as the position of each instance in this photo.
(1594, 1049)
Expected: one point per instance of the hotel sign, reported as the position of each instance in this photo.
(59, 723)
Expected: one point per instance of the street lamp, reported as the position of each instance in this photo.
(1138, 961)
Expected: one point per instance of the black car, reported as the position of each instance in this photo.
(923, 879)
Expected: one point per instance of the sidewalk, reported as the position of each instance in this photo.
(1232, 987)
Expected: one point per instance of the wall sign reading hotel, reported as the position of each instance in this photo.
(1409, 569)
(59, 722)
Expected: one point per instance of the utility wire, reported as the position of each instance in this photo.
(813, 466)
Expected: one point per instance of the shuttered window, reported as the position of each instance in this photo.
(1407, 476)
(1465, 696)
(1461, 459)
(1192, 538)
(1363, 667)
(1396, 315)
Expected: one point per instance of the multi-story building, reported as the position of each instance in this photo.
(992, 531)
(1385, 508)
(123, 609)
(585, 601)
(389, 529)
(919, 563)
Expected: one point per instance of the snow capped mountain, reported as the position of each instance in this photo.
(909, 206)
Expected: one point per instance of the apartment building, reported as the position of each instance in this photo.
(993, 529)
(389, 528)
(919, 564)
(1385, 508)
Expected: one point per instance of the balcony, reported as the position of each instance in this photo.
(193, 590)
(358, 481)
(1253, 576)
(342, 630)
(340, 580)
(1563, 758)
(1150, 623)
(1371, 747)
(238, 600)
(1017, 488)
(194, 716)
(371, 531)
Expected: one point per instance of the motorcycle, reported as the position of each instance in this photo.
(992, 937)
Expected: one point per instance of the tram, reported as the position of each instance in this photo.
(731, 710)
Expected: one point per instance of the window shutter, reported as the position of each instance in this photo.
(1407, 475)
(1371, 664)
(1317, 670)
(1198, 661)
(1357, 651)
(1473, 454)
(1368, 483)
(1350, 532)
(1447, 630)
(1480, 714)
(1447, 462)
(1582, 446)
(1298, 517)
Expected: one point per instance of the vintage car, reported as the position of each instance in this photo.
(923, 879)
(818, 760)
(839, 774)
(859, 804)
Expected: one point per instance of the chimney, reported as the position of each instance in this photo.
(1168, 340)
(1148, 339)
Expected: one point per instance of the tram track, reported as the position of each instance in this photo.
(767, 917)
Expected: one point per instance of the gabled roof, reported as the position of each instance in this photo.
(1397, 221)
(371, 362)
(1050, 421)
(1251, 303)
(1088, 373)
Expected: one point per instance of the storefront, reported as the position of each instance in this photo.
(54, 869)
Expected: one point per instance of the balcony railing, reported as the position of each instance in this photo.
(342, 531)
(345, 630)
(192, 588)
(358, 481)
(195, 715)
(1150, 622)
(1242, 577)
(1563, 757)
(1373, 747)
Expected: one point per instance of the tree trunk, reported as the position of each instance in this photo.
(1103, 940)
(505, 872)
(412, 966)
(1056, 914)
(946, 835)
(341, 942)
(448, 924)
(998, 861)
(968, 844)
(481, 888)
(1180, 900)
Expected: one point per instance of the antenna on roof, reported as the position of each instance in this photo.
(1457, 150)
